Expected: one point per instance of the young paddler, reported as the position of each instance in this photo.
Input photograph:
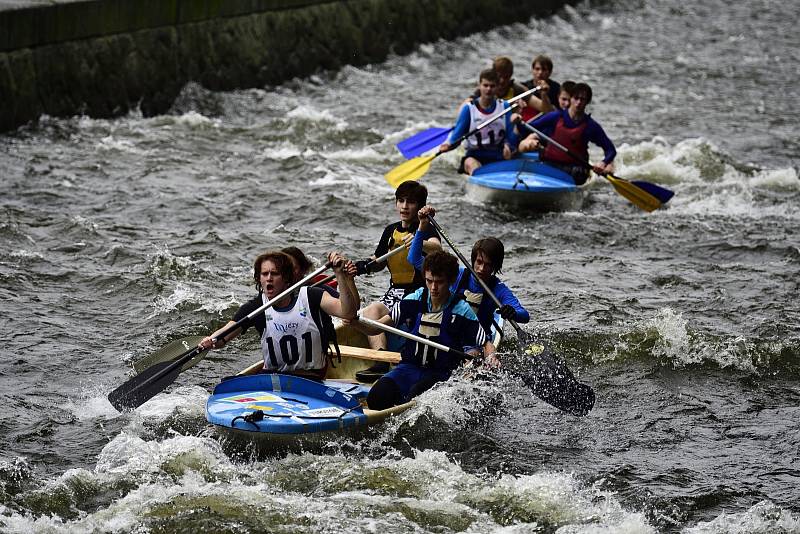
(574, 129)
(487, 261)
(410, 196)
(435, 313)
(495, 141)
(296, 330)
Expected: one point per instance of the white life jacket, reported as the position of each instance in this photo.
(491, 136)
(291, 340)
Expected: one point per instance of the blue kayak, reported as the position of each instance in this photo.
(525, 182)
(277, 407)
(291, 410)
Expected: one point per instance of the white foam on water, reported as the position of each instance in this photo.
(365, 154)
(112, 144)
(26, 254)
(307, 113)
(193, 119)
(763, 518)
(283, 151)
(677, 344)
(705, 180)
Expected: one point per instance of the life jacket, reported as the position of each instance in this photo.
(493, 135)
(483, 307)
(402, 272)
(443, 327)
(571, 138)
(528, 113)
(298, 339)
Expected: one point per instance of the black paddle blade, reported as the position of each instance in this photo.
(150, 382)
(549, 378)
(170, 352)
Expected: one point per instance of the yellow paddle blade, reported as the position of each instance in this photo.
(635, 194)
(412, 169)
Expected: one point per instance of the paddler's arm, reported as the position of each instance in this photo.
(461, 127)
(207, 342)
(415, 256)
(346, 306)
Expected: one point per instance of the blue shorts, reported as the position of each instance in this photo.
(407, 375)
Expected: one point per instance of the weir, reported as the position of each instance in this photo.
(102, 57)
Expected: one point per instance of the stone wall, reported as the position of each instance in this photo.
(101, 57)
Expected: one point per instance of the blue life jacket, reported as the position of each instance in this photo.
(485, 309)
(444, 327)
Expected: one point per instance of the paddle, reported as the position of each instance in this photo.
(369, 263)
(419, 143)
(647, 197)
(407, 335)
(550, 379)
(415, 168)
(153, 380)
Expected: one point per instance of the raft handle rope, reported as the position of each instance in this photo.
(251, 418)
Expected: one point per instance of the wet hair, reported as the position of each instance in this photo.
(544, 61)
(583, 89)
(441, 263)
(303, 263)
(490, 75)
(413, 191)
(568, 87)
(282, 262)
(493, 249)
(503, 65)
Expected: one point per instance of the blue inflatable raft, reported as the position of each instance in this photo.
(525, 182)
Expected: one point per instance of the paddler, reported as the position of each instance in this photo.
(495, 141)
(574, 129)
(541, 69)
(410, 196)
(295, 332)
(432, 312)
(529, 140)
(487, 261)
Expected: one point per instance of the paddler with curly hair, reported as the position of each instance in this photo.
(296, 331)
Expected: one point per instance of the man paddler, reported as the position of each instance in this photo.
(435, 313)
(295, 331)
(487, 261)
(573, 128)
(495, 141)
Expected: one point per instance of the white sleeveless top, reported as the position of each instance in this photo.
(491, 137)
(291, 339)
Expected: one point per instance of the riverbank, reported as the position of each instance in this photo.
(100, 58)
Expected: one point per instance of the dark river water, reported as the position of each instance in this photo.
(122, 235)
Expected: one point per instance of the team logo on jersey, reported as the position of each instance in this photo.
(303, 311)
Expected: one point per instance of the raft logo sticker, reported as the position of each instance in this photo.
(241, 399)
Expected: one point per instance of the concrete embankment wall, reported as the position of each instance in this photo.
(101, 57)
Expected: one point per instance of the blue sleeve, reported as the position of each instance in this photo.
(506, 296)
(462, 124)
(415, 250)
(596, 134)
